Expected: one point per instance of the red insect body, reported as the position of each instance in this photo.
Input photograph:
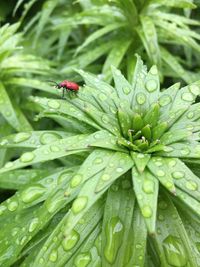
(69, 85)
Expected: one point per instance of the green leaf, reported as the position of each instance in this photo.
(119, 164)
(115, 57)
(16, 180)
(13, 116)
(92, 81)
(175, 66)
(99, 33)
(160, 169)
(32, 139)
(70, 237)
(118, 215)
(137, 239)
(182, 150)
(64, 107)
(57, 149)
(146, 191)
(123, 87)
(32, 83)
(171, 243)
(174, 3)
(149, 38)
(140, 160)
(47, 9)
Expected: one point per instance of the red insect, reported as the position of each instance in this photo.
(67, 85)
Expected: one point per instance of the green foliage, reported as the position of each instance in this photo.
(111, 32)
(108, 176)
(125, 203)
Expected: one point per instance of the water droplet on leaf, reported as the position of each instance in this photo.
(70, 240)
(79, 204)
(47, 138)
(27, 157)
(53, 104)
(20, 137)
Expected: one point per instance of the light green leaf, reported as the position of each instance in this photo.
(119, 164)
(13, 116)
(115, 57)
(140, 160)
(146, 191)
(160, 169)
(118, 214)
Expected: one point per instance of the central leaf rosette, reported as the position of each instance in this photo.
(141, 132)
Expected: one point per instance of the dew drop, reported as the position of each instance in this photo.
(33, 225)
(158, 163)
(23, 240)
(174, 251)
(178, 174)
(32, 193)
(53, 104)
(141, 98)
(26, 157)
(20, 137)
(148, 186)
(54, 148)
(102, 97)
(160, 173)
(185, 151)
(79, 204)
(105, 119)
(70, 240)
(151, 85)
(154, 70)
(2, 209)
(15, 231)
(53, 204)
(126, 90)
(105, 177)
(162, 205)
(146, 211)
(168, 149)
(47, 138)
(13, 205)
(164, 100)
(190, 115)
(187, 97)
(194, 89)
(53, 256)
(76, 180)
(98, 160)
(172, 163)
(169, 185)
(41, 261)
(114, 232)
(119, 169)
(191, 185)
(115, 187)
(82, 260)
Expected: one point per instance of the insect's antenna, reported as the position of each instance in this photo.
(53, 82)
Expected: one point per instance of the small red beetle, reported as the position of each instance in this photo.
(67, 85)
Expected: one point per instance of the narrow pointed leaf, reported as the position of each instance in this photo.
(146, 190)
(119, 164)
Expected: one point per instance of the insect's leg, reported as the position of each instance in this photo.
(63, 92)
